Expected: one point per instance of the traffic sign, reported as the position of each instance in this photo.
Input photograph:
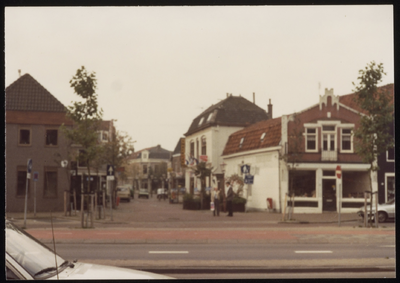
(245, 169)
(35, 176)
(249, 179)
(28, 173)
(338, 172)
(110, 170)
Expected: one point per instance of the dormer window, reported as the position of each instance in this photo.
(263, 136)
(241, 142)
(209, 117)
(201, 121)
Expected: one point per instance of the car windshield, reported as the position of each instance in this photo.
(30, 254)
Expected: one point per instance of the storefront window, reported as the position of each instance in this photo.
(302, 183)
(355, 184)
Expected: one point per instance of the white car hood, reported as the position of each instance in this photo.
(95, 271)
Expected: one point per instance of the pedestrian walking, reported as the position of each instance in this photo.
(229, 199)
(215, 197)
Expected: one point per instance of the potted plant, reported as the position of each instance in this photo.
(190, 203)
(238, 204)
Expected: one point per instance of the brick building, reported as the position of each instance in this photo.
(33, 117)
(317, 140)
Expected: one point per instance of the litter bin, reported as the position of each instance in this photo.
(269, 204)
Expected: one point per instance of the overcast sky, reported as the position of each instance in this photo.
(160, 67)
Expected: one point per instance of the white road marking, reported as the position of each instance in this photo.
(313, 252)
(108, 233)
(168, 252)
(388, 246)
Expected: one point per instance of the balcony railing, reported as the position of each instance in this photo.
(329, 155)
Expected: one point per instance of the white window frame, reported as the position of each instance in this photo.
(351, 150)
(387, 156)
(306, 137)
(386, 183)
(329, 135)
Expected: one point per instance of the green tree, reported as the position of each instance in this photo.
(116, 151)
(201, 171)
(86, 117)
(372, 136)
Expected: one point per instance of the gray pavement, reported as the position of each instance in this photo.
(143, 221)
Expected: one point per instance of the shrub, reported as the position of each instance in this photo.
(237, 199)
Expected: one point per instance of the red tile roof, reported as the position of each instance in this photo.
(252, 137)
(349, 99)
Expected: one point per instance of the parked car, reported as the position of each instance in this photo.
(385, 211)
(27, 258)
(143, 193)
(162, 194)
(124, 193)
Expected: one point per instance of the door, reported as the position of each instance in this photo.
(328, 195)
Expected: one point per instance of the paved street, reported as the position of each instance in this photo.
(143, 221)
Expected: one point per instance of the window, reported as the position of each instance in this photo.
(21, 182)
(24, 137)
(311, 139)
(203, 146)
(209, 117)
(346, 140)
(390, 187)
(241, 142)
(262, 137)
(82, 158)
(50, 183)
(192, 149)
(144, 169)
(328, 138)
(51, 137)
(201, 121)
(105, 136)
(390, 154)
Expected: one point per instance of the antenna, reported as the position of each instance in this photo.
(54, 243)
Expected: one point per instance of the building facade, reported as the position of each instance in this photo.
(297, 155)
(149, 168)
(208, 133)
(33, 119)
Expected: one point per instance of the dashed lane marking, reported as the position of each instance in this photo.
(168, 252)
(313, 252)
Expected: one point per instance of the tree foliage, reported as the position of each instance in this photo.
(86, 117)
(201, 171)
(372, 137)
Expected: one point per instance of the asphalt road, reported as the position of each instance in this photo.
(224, 252)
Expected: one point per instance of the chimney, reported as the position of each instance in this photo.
(19, 72)
(270, 109)
(227, 95)
(254, 97)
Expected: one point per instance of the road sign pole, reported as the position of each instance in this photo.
(34, 200)
(339, 190)
(28, 177)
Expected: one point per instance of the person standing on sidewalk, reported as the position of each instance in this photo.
(229, 199)
(215, 197)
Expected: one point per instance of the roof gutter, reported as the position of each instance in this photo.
(255, 151)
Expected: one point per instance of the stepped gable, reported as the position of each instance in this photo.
(254, 137)
(26, 94)
(234, 111)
